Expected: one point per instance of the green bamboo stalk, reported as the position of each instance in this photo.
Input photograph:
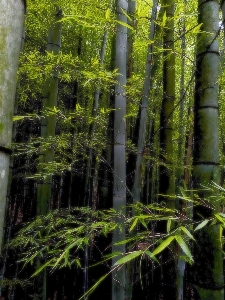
(132, 6)
(89, 188)
(167, 185)
(180, 172)
(48, 124)
(11, 30)
(87, 200)
(168, 286)
(136, 189)
(181, 111)
(74, 130)
(143, 114)
(207, 272)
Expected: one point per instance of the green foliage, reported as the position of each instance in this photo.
(72, 229)
(59, 238)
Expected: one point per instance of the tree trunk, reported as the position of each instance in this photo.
(208, 262)
(119, 187)
(11, 30)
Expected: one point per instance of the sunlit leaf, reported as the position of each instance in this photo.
(185, 230)
(133, 224)
(163, 245)
(129, 257)
(151, 256)
(168, 225)
(183, 246)
(125, 25)
(201, 225)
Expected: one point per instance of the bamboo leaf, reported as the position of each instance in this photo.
(197, 29)
(164, 19)
(142, 221)
(221, 235)
(113, 254)
(163, 245)
(125, 25)
(186, 199)
(124, 241)
(129, 257)
(77, 243)
(218, 186)
(183, 246)
(42, 267)
(201, 225)
(168, 225)
(128, 17)
(18, 118)
(107, 14)
(94, 286)
(219, 218)
(133, 224)
(185, 230)
(151, 256)
(77, 261)
(139, 9)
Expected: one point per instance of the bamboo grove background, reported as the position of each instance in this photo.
(104, 117)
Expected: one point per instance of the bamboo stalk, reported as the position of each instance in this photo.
(119, 183)
(11, 30)
(207, 277)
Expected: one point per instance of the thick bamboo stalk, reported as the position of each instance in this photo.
(8, 225)
(119, 186)
(11, 29)
(207, 272)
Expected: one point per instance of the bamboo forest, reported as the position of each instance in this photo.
(112, 149)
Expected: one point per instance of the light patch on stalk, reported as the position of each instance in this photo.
(2, 174)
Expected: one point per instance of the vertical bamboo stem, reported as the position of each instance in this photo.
(119, 186)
